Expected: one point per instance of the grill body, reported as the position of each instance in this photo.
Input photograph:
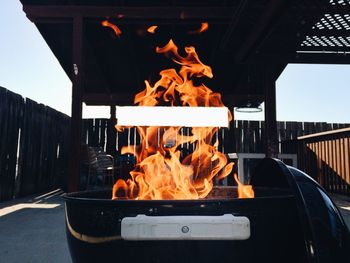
(291, 220)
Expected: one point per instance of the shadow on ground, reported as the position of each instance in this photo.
(33, 230)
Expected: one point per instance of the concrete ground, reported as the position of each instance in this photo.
(32, 229)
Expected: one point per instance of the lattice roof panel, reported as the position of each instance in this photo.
(339, 2)
(335, 21)
(331, 32)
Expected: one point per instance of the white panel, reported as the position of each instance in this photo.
(172, 116)
(225, 227)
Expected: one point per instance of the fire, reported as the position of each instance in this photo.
(244, 191)
(204, 27)
(163, 170)
(152, 29)
(115, 28)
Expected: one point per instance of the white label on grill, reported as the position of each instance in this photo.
(225, 227)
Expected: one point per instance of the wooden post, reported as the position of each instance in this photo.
(76, 120)
(271, 137)
(112, 133)
(230, 141)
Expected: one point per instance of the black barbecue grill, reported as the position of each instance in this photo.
(291, 219)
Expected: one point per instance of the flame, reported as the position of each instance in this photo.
(244, 191)
(152, 29)
(162, 170)
(115, 28)
(204, 27)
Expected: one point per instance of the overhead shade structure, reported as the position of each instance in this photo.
(243, 37)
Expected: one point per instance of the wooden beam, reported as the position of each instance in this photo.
(165, 13)
(326, 133)
(124, 99)
(242, 6)
(256, 34)
(108, 98)
(321, 58)
(304, 58)
(271, 139)
(324, 49)
(76, 120)
(327, 8)
(297, 36)
(326, 32)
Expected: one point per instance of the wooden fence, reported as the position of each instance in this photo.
(249, 135)
(326, 157)
(34, 142)
(33, 146)
(244, 137)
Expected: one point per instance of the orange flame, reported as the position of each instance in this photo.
(152, 29)
(244, 191)
(115, 28)
(204, 27)
(161, 171)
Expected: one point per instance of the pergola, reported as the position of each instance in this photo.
(248, 45)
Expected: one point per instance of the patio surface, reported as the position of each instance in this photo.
(32, 229)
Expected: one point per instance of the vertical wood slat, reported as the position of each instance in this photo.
(255, 136)
(246, 136)
(322, 162)
(347, 163)
(341, 167)
(334, 167)
(282, 130)
(326, 157)
(239, 135)
(251, 137)
(11, 106)
(318, 160)
(28, 136)
(337, 165)
(331, 165)
(326, 165)
(346, 166)
(344, 185)
(90, 132)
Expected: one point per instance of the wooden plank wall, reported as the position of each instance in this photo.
(245, 137)
(94, 132)
(249, 135)
(33, 146)
(326, 158)
(11, 113)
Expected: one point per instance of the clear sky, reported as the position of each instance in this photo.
(28, 67)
